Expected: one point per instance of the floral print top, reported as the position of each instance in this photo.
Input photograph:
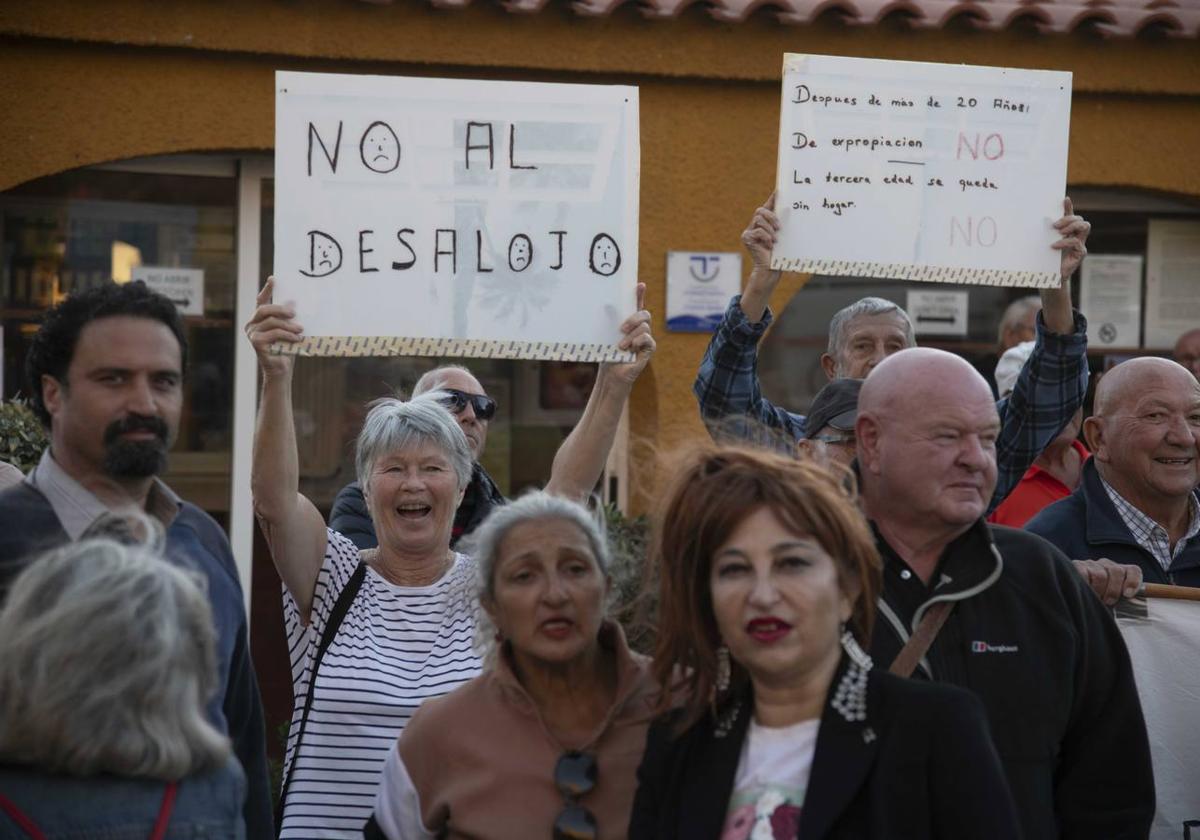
(772, 777)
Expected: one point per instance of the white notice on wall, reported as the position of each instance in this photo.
(456, 217)
(917, 171)
(184, 286)
(937, 313)
(699, 286)
(1110, 297)
(1172, 281)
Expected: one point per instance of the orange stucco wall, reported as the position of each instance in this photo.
(88, 82)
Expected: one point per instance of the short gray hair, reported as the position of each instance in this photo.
(866, 307)
(432, 378)
(393, 424)
(1017, 311)
(535, 505)
(107, 659)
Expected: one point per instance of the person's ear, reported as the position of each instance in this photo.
(866, 432)
(52, 394)
(1097, 440)
(829, 365)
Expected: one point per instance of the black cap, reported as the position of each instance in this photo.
(835, 405)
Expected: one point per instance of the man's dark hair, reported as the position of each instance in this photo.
(53, 346)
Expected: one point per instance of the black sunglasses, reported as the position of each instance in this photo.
(574, 776)
(456, 401)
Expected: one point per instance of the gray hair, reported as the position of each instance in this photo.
(393, 424)
(1015, 312)
(432, 378)
(484, 543)
(107, 659)
(866, 307)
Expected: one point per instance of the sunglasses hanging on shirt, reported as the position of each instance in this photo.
(574, 776)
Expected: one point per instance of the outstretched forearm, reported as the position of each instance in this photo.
(580, 460)
(293, 527)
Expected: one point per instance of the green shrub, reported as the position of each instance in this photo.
(22, 436)
(629, 542)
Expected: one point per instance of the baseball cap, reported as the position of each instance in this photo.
(1009, 367)
(835, 405)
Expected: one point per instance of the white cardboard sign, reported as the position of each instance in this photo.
(919, 171)
(937, 313)
(699, 286)
(184, 286)
(456, 217)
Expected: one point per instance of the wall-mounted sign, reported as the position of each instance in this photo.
(1110, 296)
(184, 286)
(937, 313)
(1172, 281)
(456, 217)
(699, 286)
(917, 171)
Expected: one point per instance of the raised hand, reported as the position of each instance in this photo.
(273, 322)
(636, 336)
(760, 235)
(1074, 231)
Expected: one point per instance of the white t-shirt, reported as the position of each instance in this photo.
(772, 777)
(396, 646)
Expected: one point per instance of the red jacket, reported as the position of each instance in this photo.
(1036, 489)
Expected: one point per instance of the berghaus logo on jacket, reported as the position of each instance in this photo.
(988, 647)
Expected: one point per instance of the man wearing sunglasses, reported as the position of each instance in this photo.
(577, 465)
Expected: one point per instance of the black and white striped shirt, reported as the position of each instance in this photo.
(397, 646)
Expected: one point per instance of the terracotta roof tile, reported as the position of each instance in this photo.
(1110, 18)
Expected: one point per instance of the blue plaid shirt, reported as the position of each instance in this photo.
(1048, 392)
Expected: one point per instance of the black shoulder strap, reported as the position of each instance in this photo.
(336, 615)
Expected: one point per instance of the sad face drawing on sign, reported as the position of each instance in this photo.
(380, 148)
(605, 257)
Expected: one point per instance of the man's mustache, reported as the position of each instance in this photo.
(136, 423)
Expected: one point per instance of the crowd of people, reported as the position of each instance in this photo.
(850, 641)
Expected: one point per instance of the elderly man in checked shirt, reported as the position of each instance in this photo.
(1050, 389)
(1137, 503)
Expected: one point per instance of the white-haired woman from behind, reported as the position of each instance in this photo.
(107, 659)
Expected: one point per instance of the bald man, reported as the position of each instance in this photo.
(1023, 631)
(1187, 351)
(1137, 503)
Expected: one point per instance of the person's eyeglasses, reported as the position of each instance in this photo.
(456, 401)
(574, 776)
(837, 440)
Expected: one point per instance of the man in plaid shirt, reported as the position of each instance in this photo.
(1050, 389)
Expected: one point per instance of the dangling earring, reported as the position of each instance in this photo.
(854, 650)
(725, 718)
(850, 697)
(724, 670)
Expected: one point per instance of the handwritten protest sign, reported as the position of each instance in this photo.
(917, 171)
(455, 217)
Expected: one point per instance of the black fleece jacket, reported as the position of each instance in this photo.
(1044, 655)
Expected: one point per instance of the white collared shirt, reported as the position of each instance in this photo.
(77, 507)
